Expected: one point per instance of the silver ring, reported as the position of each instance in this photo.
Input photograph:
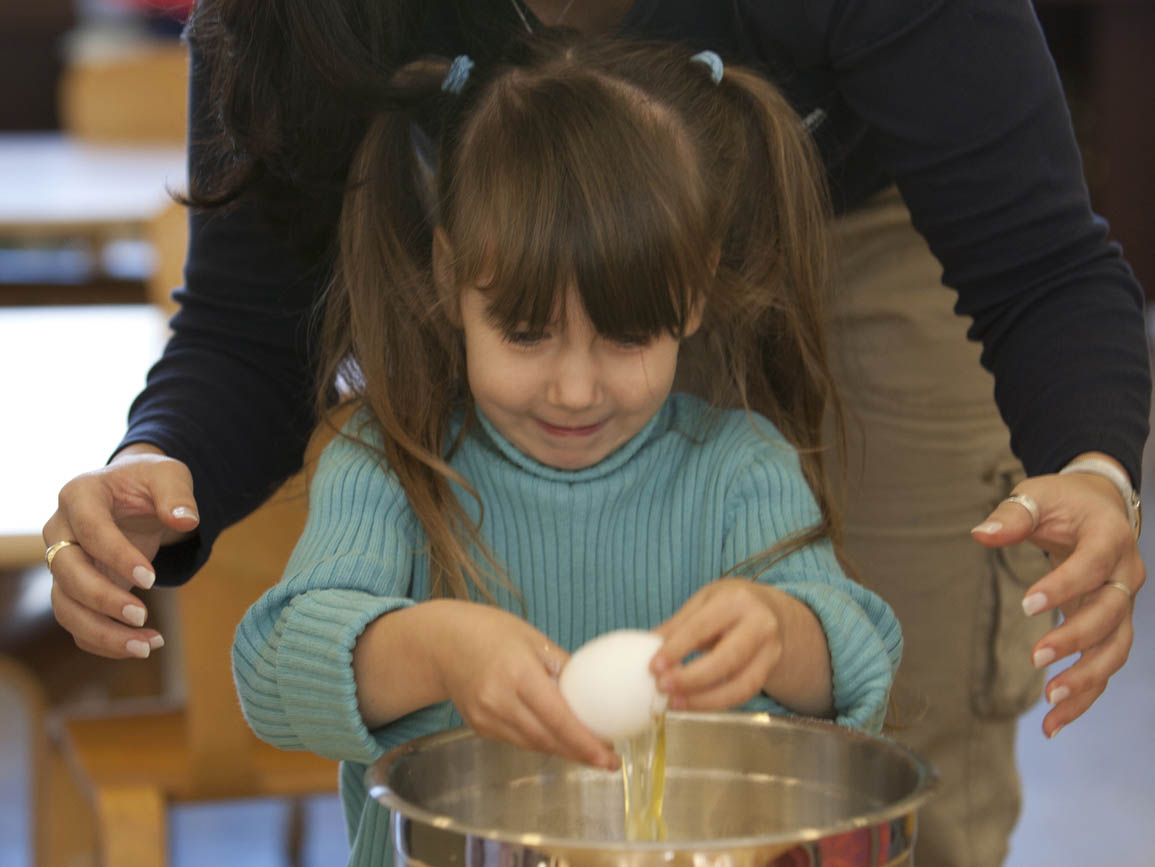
(1028, 503)
(1119, 585)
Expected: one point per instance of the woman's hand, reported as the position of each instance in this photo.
(501, 675)
(1084, 530)
(117, 517)
(754, 638)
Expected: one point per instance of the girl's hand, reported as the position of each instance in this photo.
(1083, 528)
(118, 517)
(754, 638)
(501, 675)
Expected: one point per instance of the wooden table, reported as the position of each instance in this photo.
(69, 376)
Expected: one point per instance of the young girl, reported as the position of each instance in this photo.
(531, 255)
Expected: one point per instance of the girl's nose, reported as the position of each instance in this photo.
(575, 383)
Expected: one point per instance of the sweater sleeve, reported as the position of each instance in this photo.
(231, 396)
(965, 111)
(770, 500)
(293, 651)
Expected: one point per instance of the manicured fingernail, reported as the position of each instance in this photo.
(988, 527)
(1043, 656)
(1034, 603)
(134, 614)
(1053, 734)
(144, 578)
(181, 512)
(156, 642)
(1058, 694)
(137, 648)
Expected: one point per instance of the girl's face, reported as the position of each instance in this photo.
(566, 397)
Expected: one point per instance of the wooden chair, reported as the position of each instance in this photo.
(134, 761)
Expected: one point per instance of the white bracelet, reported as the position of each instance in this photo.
(1118, 478)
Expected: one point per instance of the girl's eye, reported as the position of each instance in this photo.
(634, 341)
(525, 338)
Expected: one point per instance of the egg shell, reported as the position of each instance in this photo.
(608, 685)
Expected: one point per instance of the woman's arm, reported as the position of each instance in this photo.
(965, 111)
(231, 398)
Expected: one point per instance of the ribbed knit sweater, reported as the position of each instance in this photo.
(621, 544)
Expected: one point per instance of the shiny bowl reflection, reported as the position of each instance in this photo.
(741, 789)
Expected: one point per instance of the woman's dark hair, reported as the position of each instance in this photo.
(618, 168)
(291, 86)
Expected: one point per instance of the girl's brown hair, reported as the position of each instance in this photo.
(621, 168)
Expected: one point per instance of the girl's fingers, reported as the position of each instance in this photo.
(101, 635)
(697, 631)
(730, 657)
(724, 696)
(665, 658)
(569, 737)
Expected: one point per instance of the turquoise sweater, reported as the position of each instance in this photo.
(620, 544)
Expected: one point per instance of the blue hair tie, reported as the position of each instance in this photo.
(458, 75)
(713, 61)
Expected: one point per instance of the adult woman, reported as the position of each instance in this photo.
(957, 103)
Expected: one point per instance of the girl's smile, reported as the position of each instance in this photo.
(564, 431)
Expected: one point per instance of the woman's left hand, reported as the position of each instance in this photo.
(1083, 528)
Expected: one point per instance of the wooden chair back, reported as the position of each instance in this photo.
(247, 559)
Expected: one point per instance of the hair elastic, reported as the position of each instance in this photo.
(458, 75)
(713, 61)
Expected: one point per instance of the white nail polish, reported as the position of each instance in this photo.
(134, 614)
(1042, 657)
(144, 578)
(136, 648)
(1058, 694)
(988, 527)
(1034, 603)
(156, 642)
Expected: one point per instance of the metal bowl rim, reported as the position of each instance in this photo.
(928, 783)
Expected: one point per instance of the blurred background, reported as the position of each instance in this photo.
(92, 127)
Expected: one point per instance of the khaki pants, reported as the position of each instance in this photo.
(928, 459)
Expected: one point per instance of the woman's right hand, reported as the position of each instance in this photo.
(501, 675)
(117, 517)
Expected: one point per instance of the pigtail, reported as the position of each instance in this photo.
(387, 335)
(774, 208)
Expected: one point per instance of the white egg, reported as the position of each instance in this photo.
(608, 684)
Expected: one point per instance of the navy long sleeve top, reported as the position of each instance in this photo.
(956, 101)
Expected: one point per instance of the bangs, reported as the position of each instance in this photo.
(579, 182)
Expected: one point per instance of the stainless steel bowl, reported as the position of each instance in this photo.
(741, 789)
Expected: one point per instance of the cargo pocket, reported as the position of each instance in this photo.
(1006, 683)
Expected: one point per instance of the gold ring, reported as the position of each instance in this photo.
(1119, 585)
(55, 549)
(1028, 503)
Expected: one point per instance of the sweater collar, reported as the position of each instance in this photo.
(614, 461)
